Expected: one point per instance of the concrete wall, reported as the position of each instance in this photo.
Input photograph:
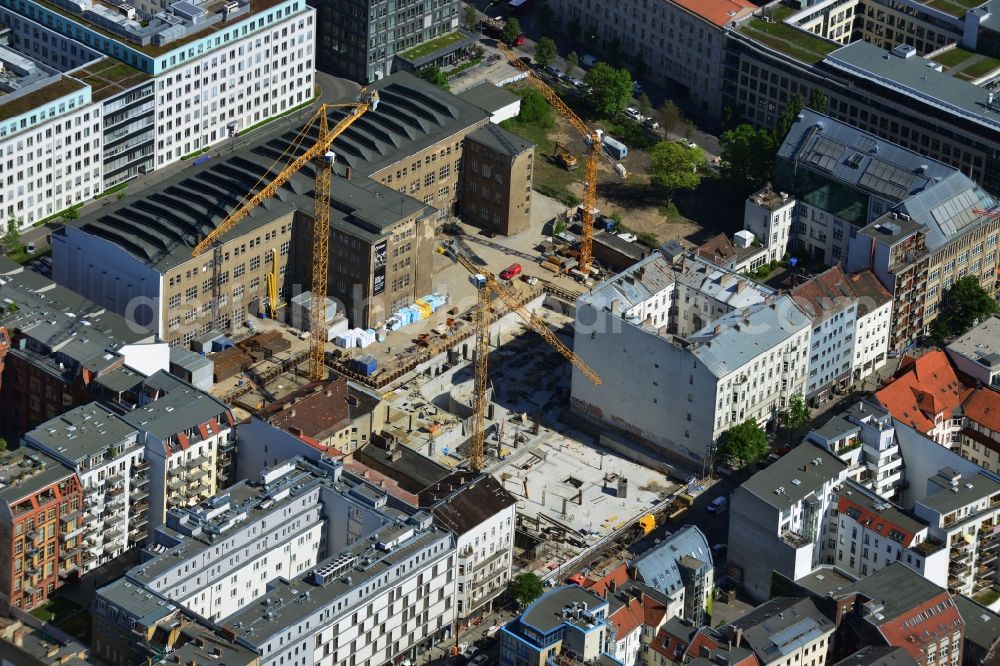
(147, 358)
(261, 445)
(924, 458)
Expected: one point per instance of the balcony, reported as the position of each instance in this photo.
(176, 484)
(138, 494)
(140, 481)
(140, 466)
(66, 572)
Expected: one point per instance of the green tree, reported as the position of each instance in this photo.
(787, 117)
(12, 236)
(545, 51)
(963, 306)
(645, 105)
(3, 444)
(798, 414)
(434, 75)
(747, 157)
(572, 63)
(671, 117)
(676, 167)
(818, 101)
(744, 443)
(525, 588)
(611, 89)
(71, 214)
(511, 31)
(469, 16)
(535, 109)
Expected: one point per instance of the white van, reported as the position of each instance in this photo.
(588, 60)
(718, 505)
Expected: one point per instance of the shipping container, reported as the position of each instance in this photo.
(613, 147)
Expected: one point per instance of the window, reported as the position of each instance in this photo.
(175, 301)
(239, 270)
(254, 263)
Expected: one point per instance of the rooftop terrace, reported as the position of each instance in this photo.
(11, 106)
(108, 77)
(800, 44)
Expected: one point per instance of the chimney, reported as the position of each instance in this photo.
(19, 638)
(291, 413)
(328, 393)
(718, 329)
(395, 455)
(348, 172)
(739, 636)
(740, 286)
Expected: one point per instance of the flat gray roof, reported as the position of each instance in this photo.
(820, 466)
(897, 587)
(27, 472)
(826, 579)
(501, 140)
(981, 344)
(179, 408)
(967, 491)
(489, 97)
(982, 626)
(137, 601)
(545, 613)
(81, 432)
(915, 77)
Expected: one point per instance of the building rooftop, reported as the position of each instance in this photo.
(546, 613)
(983, 407)
(633, 250)
(981, 344)
(869, 291)
(825, 579)
(794, 476)
(500, 140)
(657, 567)
(162, 226)
(906, 73)
(948, 491)
(41, 93)
(739, 337)
(199, 645)
(317, 410)
(178, 409)
(82, 433)
(107, 77)
(771, 199)
(461, 506)
(878, 515)
(489, 97)
(825, 295)
(789, 40)
(39, 647)
(982, 626)
(145, 607)
(922, 389)
(414, 471)
(718, 12)
(878, 655)
(859, 159)
(25, 472)
(782, 625)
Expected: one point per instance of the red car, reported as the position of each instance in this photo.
(510, 272)
(519, 40)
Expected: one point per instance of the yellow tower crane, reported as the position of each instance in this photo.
(590, 165)
(319, 153)
(487, 285)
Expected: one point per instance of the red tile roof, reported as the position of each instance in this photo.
(922, 389)
(829, 292)
(719, 12)
(616, 578)
(627, 618)
(870, 292)
(717, 249)
(875, 522)
(923, 624)
(983, 407)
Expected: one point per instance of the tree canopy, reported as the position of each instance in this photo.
(676, 166)
(798, 414)
(12, 235)
(572, 63)
(744, 443)
(611, 89)
(671, 117)
(525, 588)
(511, 31)
(469, 16)
(434, 75)
(545, 51)
(747, 157)
(535, 109)
(964, 305)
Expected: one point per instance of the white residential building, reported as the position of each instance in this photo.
(304, 565)
(687, 349)
(781, 516)
(768, 216)
(977, 353)
(681, 569)
(872, 325)
(864, 437)
(830, 301)
(107, 455)
(481, 514)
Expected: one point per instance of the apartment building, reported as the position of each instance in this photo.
(982, 632)
(565, 625)
(905, 99)
(786, 630)
(680, 567)
(349, 571)
(780, 518)
(930, 396)
(871, 533)
(896, 607)
(711, 349)
(681, 642)
(107, 456)
(364, 40)
(381, 240)
(481, 514)
(186, 434)
(743, 254)
(831, 303)
(672, 44)
(976, 354)
(500, 171)
(61, 348)
(864, 437)
(768, 215)
(874, 324)
(40, 526)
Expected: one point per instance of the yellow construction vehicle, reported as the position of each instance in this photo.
(565, 159)
(319, 153)
(593, 140)
(488, 284)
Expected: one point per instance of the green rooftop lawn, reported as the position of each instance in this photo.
(799, 44)
(108, 76)
(981, 68)
(428, 47)
(779, 13)
(956, 8)
(48, 93)
(953, 57)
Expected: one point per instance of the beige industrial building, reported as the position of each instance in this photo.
(397, 173)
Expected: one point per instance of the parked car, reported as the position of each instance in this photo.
(718, 505)
(479, 660)
(588, 60)
(510, 272)
(530, 279)
(651, 124)
(520, 40)
(555, 71)
(636, 88)
(577, 83)
(634, 114)
(31, 248)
